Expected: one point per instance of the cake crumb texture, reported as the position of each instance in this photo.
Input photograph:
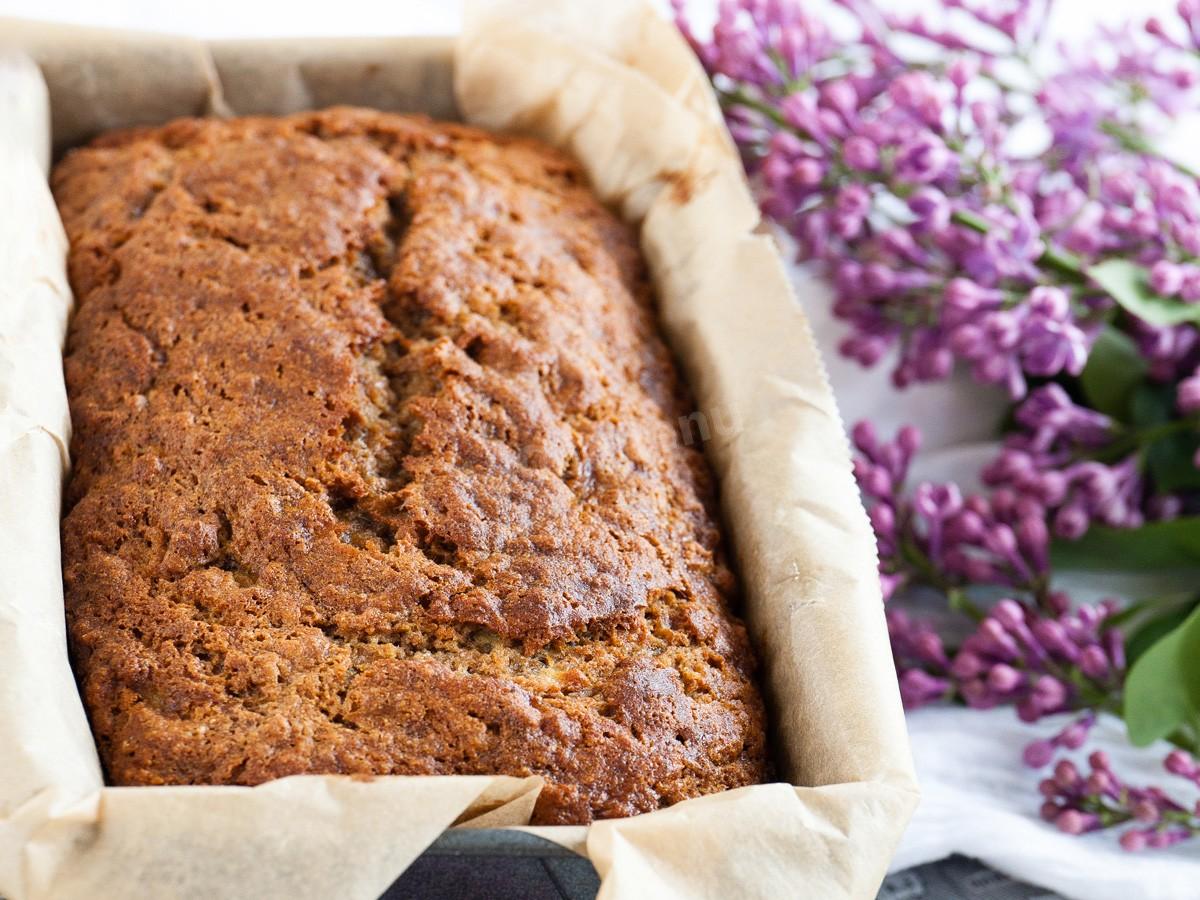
(375, 471)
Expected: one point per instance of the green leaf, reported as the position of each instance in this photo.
(1171, 461)
(1129, 284)
(1162, 690)
(1151, 404)
(1114, 370)
(1153, 629)
(1171, 458)
(1154, 546)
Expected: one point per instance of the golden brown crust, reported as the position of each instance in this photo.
(375, 472)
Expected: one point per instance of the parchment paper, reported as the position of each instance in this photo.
(616, 86)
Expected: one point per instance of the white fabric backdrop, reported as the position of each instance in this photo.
(978, 798)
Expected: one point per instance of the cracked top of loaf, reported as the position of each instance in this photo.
(377, 471)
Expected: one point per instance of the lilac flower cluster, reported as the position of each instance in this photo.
(1041, 663)
(1176, 280)
(1170, 352)
(895, 171)
(1048, 463)
(937, 535)
(1041, 660)
(1077, 803)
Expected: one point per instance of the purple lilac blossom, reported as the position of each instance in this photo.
(1077, 802)
(973, 539)
(1040, 663)
(945, 247)
(1048, 461)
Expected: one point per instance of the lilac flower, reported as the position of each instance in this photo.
(853, 144)
(1077, 803)
(1170, 352)
(1046, 462)
(1038, 662)
(1040, 753)
(935, 529)
(1187, 394)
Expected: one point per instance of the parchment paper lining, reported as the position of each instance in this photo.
(614, 85)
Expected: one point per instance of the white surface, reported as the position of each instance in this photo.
(979, 799)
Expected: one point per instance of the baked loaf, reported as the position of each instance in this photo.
(377, 471)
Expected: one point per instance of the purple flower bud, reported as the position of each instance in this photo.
(1188, 236)
(840, 96)
(1158, 840)
(878, 279)
(864, 349)
(1050, 693)
(1114, 646)
(1001, 540)
(1029, 710)
(1179, 762)
(965, 526)
(999, 641)
(861, 154)
(908, 439)
(931, 209)
(1187, 395)
(883, 520)
(968, 342)
(976, 569)
(1051, 302)
(984, 115)
(967, 665)
(977, 694)
(1034, 541)
(929, 648)
(922, 159)
(918, 688)
(1166, 278)
(1164, 507)
(808, 173)
(1094, 662)
(1133, 841)
(1146, 812)
(1009, 613)
(1002, 329)
(865, 437)
(961, 71)
(1190, 290)
(1004, 678)
(1074, 735)
(1038, 754)
(875, 482)
(917, 92)
(936, 364)
(937, 500)
(851, 206)
(1065, 774)
(1071, 522)
(1051, 487)
(1073, 821)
